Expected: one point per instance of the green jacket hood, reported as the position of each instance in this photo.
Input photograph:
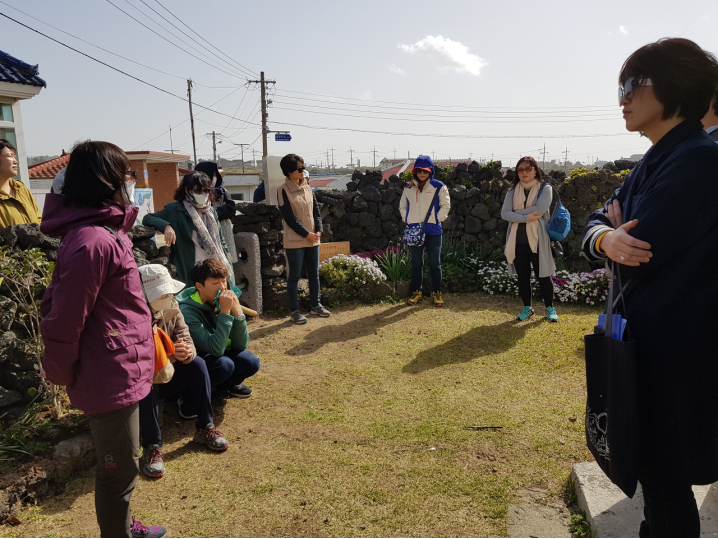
(185, 298)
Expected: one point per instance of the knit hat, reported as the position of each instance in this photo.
(156, 282)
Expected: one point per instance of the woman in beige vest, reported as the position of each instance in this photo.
(302, 233)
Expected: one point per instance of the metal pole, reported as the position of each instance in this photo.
(172, 148)
(191, 119)
(214, 147)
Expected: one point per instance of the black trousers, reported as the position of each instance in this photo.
(525, 258)
(116, 436)
(670, 510)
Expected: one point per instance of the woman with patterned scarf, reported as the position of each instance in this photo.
(527, 241)
(191, 227)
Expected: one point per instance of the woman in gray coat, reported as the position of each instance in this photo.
(527, 240)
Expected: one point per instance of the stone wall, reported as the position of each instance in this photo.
(367, 213)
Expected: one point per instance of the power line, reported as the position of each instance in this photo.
(463, 115)
(123, 72)
(173, 43)
(452, 106)
(109, 51)
(459, 108)
(501, 121)
(434, 135)
(254, 73)
(245, 71)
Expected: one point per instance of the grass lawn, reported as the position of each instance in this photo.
(356, 428)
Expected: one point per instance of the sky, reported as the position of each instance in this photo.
(450, 79)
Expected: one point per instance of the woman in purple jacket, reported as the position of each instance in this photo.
(96, 325)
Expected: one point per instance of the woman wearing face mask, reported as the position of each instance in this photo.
(223, 203)
(661, 228)
(191, 227)
(527, 240)
(96, 326)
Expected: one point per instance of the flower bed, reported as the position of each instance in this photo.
(586, 287)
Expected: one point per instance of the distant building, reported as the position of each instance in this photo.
(18, 81)
(637, 156)
(241, 186)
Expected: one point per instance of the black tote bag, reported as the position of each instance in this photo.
(612, 418)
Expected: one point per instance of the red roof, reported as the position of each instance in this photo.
(321, 183)
(49, 169)
(183, 171)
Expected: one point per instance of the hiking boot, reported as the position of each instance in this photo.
(436, 298)
(417, 298)
(152, 463)
(551, 315)
(241, 391)
(211, 437)
(525, 314)
(320, 311)
(298, 317)
(185, 413)
(138, 530)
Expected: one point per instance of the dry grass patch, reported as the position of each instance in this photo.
(356, 428)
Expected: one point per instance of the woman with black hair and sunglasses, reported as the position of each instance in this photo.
(661, 228)
(191, 227)
(302, 234)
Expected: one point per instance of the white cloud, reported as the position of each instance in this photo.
(396, 69)
(623, 29)
(450, 54)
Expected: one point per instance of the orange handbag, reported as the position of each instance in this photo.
(164, 347)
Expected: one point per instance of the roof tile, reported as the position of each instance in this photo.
(18, 72)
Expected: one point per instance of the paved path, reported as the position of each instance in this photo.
(612, 514)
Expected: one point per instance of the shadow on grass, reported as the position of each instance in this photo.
(266, 331)
(478, 342)
(354, 329)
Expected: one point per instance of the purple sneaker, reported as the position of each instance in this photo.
(138, 530)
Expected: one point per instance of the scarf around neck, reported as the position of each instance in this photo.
(520, 202)
(208, 233)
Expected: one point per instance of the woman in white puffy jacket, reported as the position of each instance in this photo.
(418, 197)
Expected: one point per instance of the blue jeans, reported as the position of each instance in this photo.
(192, 379)
(432, 244)
(231, 369)
(295, 257)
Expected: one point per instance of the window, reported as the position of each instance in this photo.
(237, 196)
(8, 134)
(6, 112)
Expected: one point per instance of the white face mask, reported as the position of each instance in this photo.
(161, 304)
(200, 200)
(128, 195)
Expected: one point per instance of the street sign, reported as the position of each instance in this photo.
(286, 137)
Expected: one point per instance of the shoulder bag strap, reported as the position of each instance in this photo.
(433, 201)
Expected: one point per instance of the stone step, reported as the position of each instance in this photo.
(612, 514)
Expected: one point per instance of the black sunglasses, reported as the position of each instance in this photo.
(301, 169)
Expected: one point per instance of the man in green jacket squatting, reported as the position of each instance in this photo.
(218, 328)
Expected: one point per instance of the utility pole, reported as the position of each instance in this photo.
(565, 162)
(254, 159)
(544, 156)
(191, 118)
(263, 87)
(433, 157)
(394, 154)
(241, 146)
(172, 148)
(351, 158)
(333, 167)
(374, 152)
(329, 171)
(214, 147)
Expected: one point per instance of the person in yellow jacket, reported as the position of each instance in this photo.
(17, 205)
